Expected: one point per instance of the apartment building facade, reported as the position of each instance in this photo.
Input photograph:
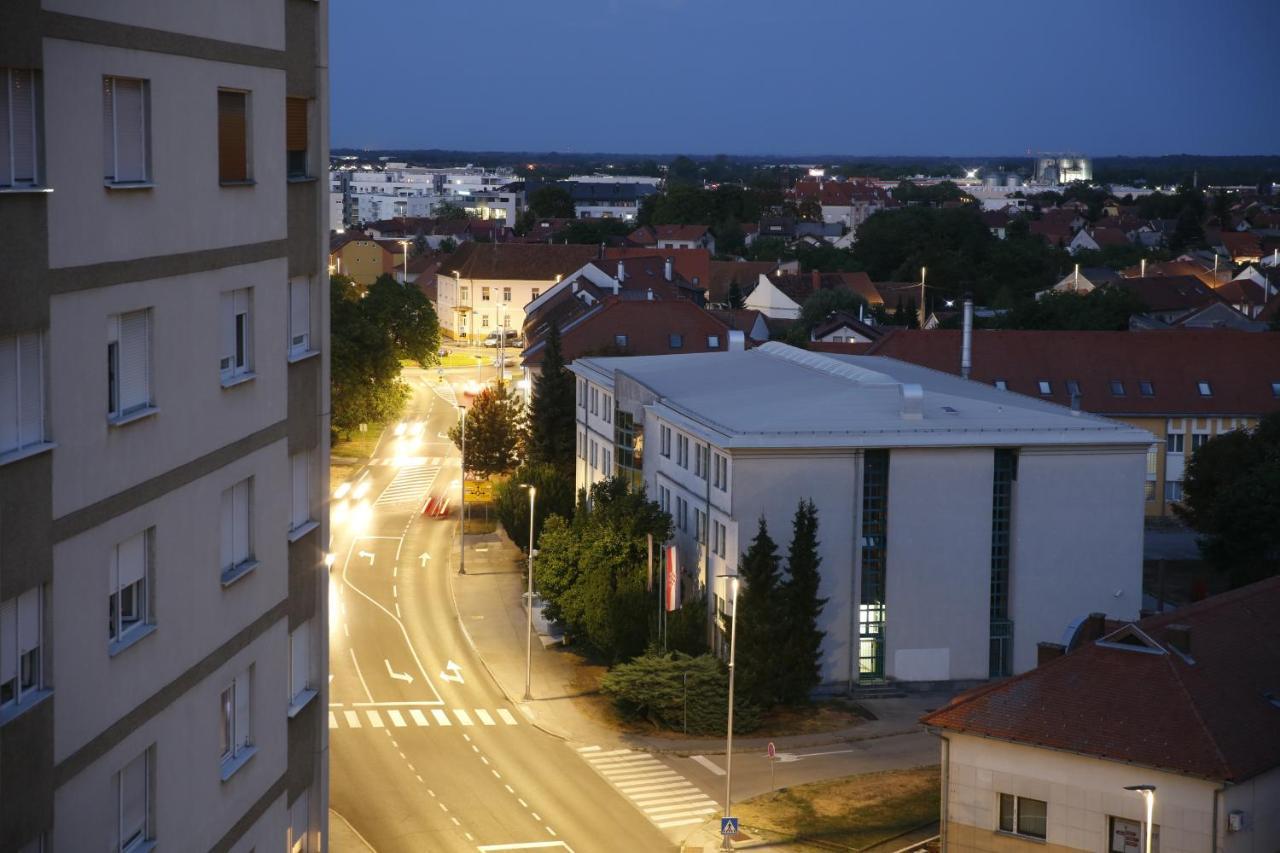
(949, 517)
(163, 416)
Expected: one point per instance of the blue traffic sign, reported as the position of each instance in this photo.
(728, 826)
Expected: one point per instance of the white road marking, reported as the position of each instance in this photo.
(441, 717)
(709, 764)
(374, 719)
(527, 845)
(409, 485)
(484, 717)
(396, 719)
(363, 683)
(695, 813)
(695, 807)
(674, 823)
(352, 719)
(588, 749)
(652, 787)
(663, 795)
(398, 676)
(418, 717)
(333, 720)
(507, 716)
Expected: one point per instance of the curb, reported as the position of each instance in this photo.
(683, 752)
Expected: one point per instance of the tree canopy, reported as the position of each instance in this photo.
(1101, 310)
(554, 496)
(552, 434)
(495, 426)
(551, 201)
(406, 313)
(364, 368)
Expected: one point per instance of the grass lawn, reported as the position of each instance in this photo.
(852, 813)
(339, 474)
(359, 444)
(460, 359)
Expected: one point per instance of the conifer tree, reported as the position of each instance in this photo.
(735, 297)
(761, 653)
(551, 415)
(803, 607)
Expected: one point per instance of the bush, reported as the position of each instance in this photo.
(653, 687)
(555, 497)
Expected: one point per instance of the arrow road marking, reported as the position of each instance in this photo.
(398, 676)
(452, 672)
(368, 554)
(423, 557)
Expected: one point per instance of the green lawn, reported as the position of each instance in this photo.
(852, 813)
(360, 444)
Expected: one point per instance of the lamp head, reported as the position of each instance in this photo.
(1142, 789)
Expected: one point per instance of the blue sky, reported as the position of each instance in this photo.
(875, 77)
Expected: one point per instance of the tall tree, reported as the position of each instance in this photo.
(406, 313)
(803, 607)
(761, 657)
(555, 496)
(551, 201)
(364, 371)
(735, 296)
(495, 432)
(551, 409)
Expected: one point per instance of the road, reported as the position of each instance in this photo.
(426, 754)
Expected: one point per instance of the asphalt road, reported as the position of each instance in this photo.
(426, 754)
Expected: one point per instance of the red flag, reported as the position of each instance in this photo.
(673, 578)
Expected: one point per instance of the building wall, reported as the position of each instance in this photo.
(362, 261)
(1257, 798)
(481, 317)
(1082, 793)
(1159, 497)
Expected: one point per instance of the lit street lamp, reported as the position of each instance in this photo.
(404, 244)
(528, 640)
(1148, 793)
(462, 502)
(728, 762)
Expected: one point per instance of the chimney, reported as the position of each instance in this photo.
(666, 270)
(966, 340)
(622, 272)
(1046, 652)
(1179, 638)
(912, 401)
(1075, 402)
(649, 294)
(737, 341)
(601, 255)
(816, 278)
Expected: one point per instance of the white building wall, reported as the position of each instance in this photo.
(484, 316)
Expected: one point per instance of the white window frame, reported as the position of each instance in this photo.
(10, 79)
(142, 400)
(1198, 440)
(1175, 443)
(682, 450)
(235, 326)
(301, 668)
(301, 475)
(1017, 816)
(235, 723)
(236, 525)
(301, 318)
(112, 128)
(120, 636)
(664, 441)
(21, 649)
(142, 838)
(22, 395)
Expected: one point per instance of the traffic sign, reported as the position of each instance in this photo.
(728, 826)
(772, 750)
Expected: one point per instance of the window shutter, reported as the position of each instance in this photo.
(131, 560)
(232, 147)
(22, 108)
(6, 136)
(227, 327)
(8, 635)
(299, 314)
(242, 708)
(133, 799)
(131, 160)
(226, 558)
(295, 124)
(30, 391)
(240, 523)
(300, 658)
(108, 128)
(301, 499)
(8, 399)
(135, 364)
(29, 620)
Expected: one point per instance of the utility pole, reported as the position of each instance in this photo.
(462, 503)
(923, 270)
(528, 640)
(728, 759)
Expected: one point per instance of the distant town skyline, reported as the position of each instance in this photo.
(920, 78)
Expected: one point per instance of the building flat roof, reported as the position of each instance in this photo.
(777, 396)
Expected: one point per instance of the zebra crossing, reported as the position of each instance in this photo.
(396, 718)
(665, 797)
(409, 485)
(407, 461)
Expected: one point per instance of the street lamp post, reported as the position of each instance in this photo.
(462, 500)
(728, 762)
(528, 640)
(1148, 793)
(404, 244)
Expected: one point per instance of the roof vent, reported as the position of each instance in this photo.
(912, 401)
(737, 341)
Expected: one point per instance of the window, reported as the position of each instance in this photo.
(484, 294)
(21, 632)
(702, 461)
(535, 294)
(620, 341)
(676, 341)
(237, 335)
(1198, 440)
(1045, 387)
(128, 605)
(484, 321)
(682, 451)
(717, 538)
(21, 391)
(1275, 389)
(700, 526)
(1145, 388)
(1001, 385)
(299, 820)
(593, 454)
(133, 787)
(295, 137)
(234, 733)
(300, 475)
(1117, 388)
(126, 136)
(1023, 815)
(506, 294)
(582, 393)
(236, 554)
(664, 498)
(607, 468)
(128, 363)
(582, 445)
(466, 293)
(300, 664)
(1173, 442)
(595, 400)
(664, 441)
(682, 513)
(607, 414)
(1073, 388)
(1153, 461)
(713, 342)
(722, 472)
(19, 143)
(299, 317)
(233, 137)
(1173, 491)
(1129, 836)
(1206, 390)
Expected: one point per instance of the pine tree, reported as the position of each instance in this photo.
(735, 296)
(495, 432)
(803, 607)
(761, 655)
(551, 415)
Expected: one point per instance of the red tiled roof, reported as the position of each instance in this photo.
(1241, 291)
(517, 261)
(694, 265)
(722, 274)
(1162, 293)
(647, 324)
(1205, 714)
(1241, 244)
(1109, 237)
(1053, 233)
(800, 286)
(1174, 362)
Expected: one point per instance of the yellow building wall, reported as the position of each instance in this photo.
(1158, 504)
(361, 260)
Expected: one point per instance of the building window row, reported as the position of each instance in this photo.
(22, 404)
(718, 538)
(682, 451)
(21, 641)
(721, 480)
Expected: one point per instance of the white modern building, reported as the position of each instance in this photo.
(959, 524)
(164, 394)
(396, 189)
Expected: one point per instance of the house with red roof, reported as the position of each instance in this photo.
(1096, 239)
(1185, 702)
(1242, 247)
(673, 237)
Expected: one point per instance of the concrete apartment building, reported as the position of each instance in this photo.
(959, 525)
(163, 424)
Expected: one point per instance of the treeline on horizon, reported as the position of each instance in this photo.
(1155, 170)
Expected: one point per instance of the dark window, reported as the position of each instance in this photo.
(677, 341)
(1117, 388)
(1173, 442)
(871, 609)
(620, 341)
(1001, 652)
(1023, 816)
(1275, 389)
(233, 136)
(295, 136)
(1206, 390)
(1001, 385)
(1146, 388)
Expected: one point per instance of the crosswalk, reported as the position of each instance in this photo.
(409, 485)
(665, 797)
(399, 718)
(407, 461)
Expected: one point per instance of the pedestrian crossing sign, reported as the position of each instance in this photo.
(728, 826)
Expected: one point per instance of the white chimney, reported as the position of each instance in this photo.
(966, 341)
(622, 272)
(667, 270)
(737, 340)
(1144, 268)
(912, 401)
(649, 294)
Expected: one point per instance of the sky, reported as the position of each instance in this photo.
(851, 77)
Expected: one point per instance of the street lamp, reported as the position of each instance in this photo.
(1148, 793)
(404, 244)
(462, 501)
(528, 640)
(728, 762)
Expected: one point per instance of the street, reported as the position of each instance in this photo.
(426, 752)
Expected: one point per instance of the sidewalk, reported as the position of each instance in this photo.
(489, 602)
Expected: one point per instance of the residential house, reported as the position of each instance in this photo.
(928, 487)
(845, 328)
(1169, 298)
(1182, 701)
(691, 265)
(483, 287)
(1096, 239)
(1082, 281)
(359, 257)
(1242, 247)
(608, 200)
(752, 323)
(997, 222)
(1183, 387)
(673, 237)
(723, 275)
(782, 295)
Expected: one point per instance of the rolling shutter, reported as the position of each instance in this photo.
(8, 400)
(226, 553)
(240, 526)
(133, 800)
(108, 128)
(299, 658)
(227, 325)
(131, 158)
(242, 708)
(232, 127)
(300, 462)
(23, 129)
(29, 620)
(135, 366)
(131, 560)
(299, 315)
(8, 637)
(295, 124)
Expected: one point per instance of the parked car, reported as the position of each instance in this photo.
(513, 339)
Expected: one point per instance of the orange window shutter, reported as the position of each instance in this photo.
(296, 124)
(233, 162)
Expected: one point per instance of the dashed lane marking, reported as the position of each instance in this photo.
(381, 719)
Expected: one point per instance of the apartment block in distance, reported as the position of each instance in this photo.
(163, 423)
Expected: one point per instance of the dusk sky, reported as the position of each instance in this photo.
(874, 77)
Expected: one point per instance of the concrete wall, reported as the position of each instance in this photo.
(249, 22)
(1257, 798)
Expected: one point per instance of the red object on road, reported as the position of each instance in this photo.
(442, 509)
(772, 750)
(430, 508)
